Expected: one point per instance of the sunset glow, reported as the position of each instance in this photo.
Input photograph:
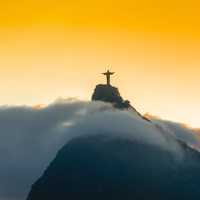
(52, 49)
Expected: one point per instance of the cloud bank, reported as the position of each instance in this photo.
(30, 137)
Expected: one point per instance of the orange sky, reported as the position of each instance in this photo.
(55, 48)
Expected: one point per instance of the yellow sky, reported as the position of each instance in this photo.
(57, 48)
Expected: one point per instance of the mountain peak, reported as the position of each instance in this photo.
(108, 93)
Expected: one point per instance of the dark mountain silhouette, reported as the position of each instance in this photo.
(99, 167)
(104, 167)
(110, 94)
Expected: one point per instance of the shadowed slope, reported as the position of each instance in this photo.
(101, 167)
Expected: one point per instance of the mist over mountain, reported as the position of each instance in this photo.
(85, 133)
(102, 167)
(120, 154)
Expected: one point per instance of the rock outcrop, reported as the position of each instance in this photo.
(108, 93)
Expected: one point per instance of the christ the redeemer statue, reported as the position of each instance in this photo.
(108, 74)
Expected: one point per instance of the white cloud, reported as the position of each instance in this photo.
(30, 138)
